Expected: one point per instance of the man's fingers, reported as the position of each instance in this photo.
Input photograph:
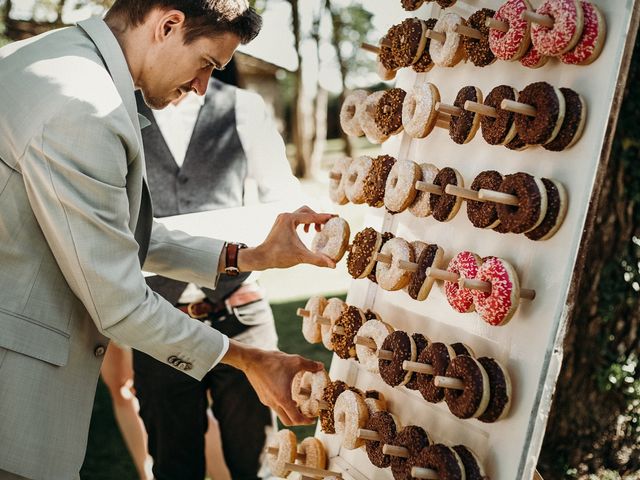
(306, 228)
(311, 365)
(282, 415)
(306, 218)
(319, 260)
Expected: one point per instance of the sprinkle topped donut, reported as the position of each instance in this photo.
(403, 348)
(450, 52)
(466, 264)
(593, 35)
(501, 129)
(444, 207)
(567, 27)
(438, 355)
(351, 320)
(443, 460)
(422, 343)
(410, 41)
(411, 5)
(384, 424)
(533, 58)
(557, 203)
(483, 214)
(478, 51)
(420, 284)
(575, 117)
(463, 127)
(514, 43)
(472, 401)
(414, 439)
(366, 116)
(365, 245)
(377, 179)
(472, 467)
(499, 391)
(497, 306)
(389, 111)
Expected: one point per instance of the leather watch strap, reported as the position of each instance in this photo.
(231, 260)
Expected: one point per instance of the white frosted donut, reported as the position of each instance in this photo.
(421, 206)
(418, 110)
(310, 326)
(568, 22)
(350, 414)
(285, 442)
(391, 276)
(366, 113)
(333, 239)
(400, 189)
(314, 453)
(498, 306)
(348, 119)
(376, 331)
(466, 264)
(315, 382)
(450, 52)
(333, 311)
(356, 176)
(336, 186)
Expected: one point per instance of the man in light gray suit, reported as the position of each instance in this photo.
(76, 224)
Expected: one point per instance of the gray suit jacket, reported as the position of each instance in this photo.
(75, 222)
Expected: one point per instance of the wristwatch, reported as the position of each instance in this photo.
(231, 259)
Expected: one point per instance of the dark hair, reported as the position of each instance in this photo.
(202, 17)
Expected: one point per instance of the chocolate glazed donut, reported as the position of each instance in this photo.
(438, 355)
(499, 130)
(483, 214)
(550, 105)
(463, 127)
(389, 111)
(425, 63)
(386, 236)
(443, 460)
(478, 51)
(473, 400)
(532, 203)
(556, 211)
(444, 207)
(375, 182)
(499, 391)
(351, 320)
(385, 425)
(421, 344)
(330, 395)
(403, 348)
(573, 125)
(414, 439)
(472, 468)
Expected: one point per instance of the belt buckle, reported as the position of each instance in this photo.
(193, 314)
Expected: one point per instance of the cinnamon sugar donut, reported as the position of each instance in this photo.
(592, 40)
(403, 348)
(421, 206)
(497, 306)
(550, 106)
(333, 239)
(376, 331)
(414, 439)
(410, 41)
(466, 264)
(314, 453)
(484, 214)
(350, 414)
(499, 391)
(425, 62)
(285, 442)
(332, 311)
(443, 460)
(400, 189)
(357, 174)
(532, 202)
(420, 284)
(366, 116)
(463, 127)
(479, 51)
(384, 424)
(444, 207)
(418, 110)
(438, 355)
(389, 111)
(351, 320)
(450, 52)
(575, 117)
(390, 276)
(473, 400)
(376, 181)
(310, 326)
(557, 204)
(348, 119)
(514, 43)
(501, 129)
(336, 186)
(361, 258)
(567, 27)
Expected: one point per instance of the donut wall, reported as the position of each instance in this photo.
(529, 346)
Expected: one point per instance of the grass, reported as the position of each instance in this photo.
(107, 457)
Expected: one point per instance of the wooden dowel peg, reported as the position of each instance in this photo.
(465, 193)
(365, 342)
(385, 42)
(449, 109)
(382, 258)
(448, 382)
(468, 32)
(498, 197)
(428, 187)
(437, 36)
(370, 48)
(385, 355)
(322, 320)
(443, 275)
(368, 435)
(517, 107)
(352, 177)
(497, 25)
(427, 473)
(335, 176)
(301, 312)
(322, 405)
(537, 476)
(480, 109)
(338, 330)
(305, 392)
(275, 450)
(441, 123)
(418, 367)
(473, 284)
(314, 472)
(534, 17)
(395, 451)
(408, 266)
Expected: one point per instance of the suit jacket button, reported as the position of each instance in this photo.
(99, 350)
(182, 365)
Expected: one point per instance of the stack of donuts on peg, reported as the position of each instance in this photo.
(573, 31)
(362, 420)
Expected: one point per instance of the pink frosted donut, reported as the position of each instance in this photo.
(514, 43)
(567, 27)
(466, 264)
(533, 59)
(498, 306)
(592, 40)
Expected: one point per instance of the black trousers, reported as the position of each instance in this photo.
(173, 409)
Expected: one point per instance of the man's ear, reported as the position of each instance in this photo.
(169, 23)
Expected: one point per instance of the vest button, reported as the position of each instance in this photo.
(183, 179)
(99, 350)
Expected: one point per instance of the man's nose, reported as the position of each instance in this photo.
(200, 83)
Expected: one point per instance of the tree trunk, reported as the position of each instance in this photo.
(320, 140)
(593, 425)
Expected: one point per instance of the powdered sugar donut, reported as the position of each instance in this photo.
(338, 180)
(376, 331)
(450, 52)
(310, 326)
(514, 43)
(350, 414)
(466, 264)
(333, 311)
(314, 453)
(366, 114)
(375, 402)
(313, 382)
(567, 27)
(348, 120)
(400, 189)
(498, 306)
(333, 239)
(418, 110)
(421, 206)
(356, 176)
(391, 276)
(285, 443)
(593, 35)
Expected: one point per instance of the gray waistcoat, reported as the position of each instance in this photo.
(211, 177)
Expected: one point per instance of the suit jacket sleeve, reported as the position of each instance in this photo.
(76, 172)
